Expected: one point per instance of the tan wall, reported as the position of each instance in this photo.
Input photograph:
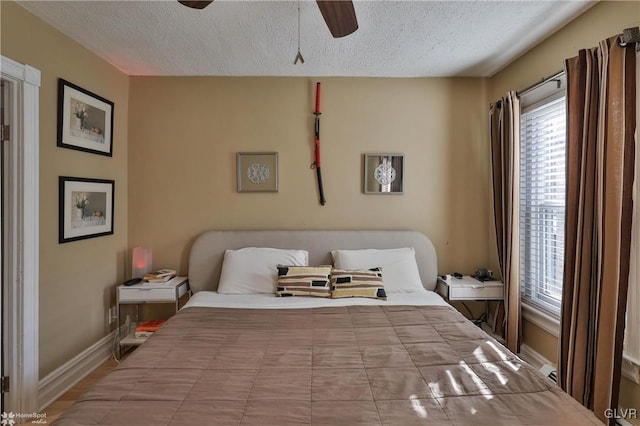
(184, 134)
(546, 344)
(77, 278)
(603, 20)
(630, 398)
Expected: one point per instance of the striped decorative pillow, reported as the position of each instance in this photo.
(357, 283)
(303, 281)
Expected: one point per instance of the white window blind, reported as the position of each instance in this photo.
(542, 202)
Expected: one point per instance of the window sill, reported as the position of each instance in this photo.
(547, 322)
(631, 368)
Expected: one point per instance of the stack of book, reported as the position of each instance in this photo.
(147, 328)
(160, 276)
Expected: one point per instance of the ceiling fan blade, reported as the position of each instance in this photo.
(196, 4)
(339, 15)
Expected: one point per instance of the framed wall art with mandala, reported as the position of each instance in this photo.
(383, 174)
(257, 171)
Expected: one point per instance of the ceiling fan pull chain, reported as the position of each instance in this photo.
(299, 55)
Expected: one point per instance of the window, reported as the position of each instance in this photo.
(542, 200)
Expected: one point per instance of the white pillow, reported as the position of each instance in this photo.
(252, 270)
(399, 266)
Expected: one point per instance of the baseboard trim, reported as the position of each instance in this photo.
(60, 380)
(623, 422)
(527, 353)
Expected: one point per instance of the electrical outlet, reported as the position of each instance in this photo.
(112, 315)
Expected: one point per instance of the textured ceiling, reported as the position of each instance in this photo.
(259, 38)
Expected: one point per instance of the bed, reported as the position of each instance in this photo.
(242, 359)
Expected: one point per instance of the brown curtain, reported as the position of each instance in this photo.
(600, 165)
(505, 161)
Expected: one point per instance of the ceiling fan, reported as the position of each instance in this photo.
(339, 15)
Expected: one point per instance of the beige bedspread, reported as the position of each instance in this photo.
(358, 365)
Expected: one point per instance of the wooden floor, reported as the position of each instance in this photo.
(67, 399)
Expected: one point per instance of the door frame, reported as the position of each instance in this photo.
(22, 257)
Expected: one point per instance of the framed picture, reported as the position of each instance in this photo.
(85, 120)
(384, 173)
(86, 208)
(257, 171)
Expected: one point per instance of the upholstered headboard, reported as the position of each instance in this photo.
(207, 252)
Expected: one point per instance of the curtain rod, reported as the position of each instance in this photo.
(553, 77)
(630, 36)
